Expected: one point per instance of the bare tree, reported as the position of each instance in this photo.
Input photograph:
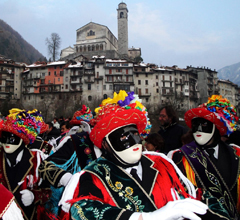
(53, 44)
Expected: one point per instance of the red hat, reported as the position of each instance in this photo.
(82, 115)
(217, 110)
(112, 116)
(25, 124)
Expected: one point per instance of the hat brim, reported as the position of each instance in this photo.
(206, 114)
(8, 128)
(115, 120)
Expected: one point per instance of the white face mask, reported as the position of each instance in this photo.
(203, 138)
(10, 148)
(131, 155)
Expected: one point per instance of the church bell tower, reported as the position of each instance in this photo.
(122, 30)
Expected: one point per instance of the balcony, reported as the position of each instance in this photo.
(99, 78)
(144, 95)
(89, 80)
(168, 94)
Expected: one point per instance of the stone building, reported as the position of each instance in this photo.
(97, 40)
(10, 78)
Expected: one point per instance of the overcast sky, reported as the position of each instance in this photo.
(174, 32)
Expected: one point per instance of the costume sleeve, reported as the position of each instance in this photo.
(177, 157)
(63, 154)
(94, 205)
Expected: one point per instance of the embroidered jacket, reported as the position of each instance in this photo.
(219, 182)
(25, 175)
(107, 191)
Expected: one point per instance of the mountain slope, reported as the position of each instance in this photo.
(14, 47)
(231, 72)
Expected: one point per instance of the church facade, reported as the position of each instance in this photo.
(97, 40)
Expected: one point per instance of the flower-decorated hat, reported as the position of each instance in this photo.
(219, 111)
(123, 109)
(84, 114)
(25, 124)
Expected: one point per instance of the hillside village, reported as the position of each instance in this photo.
(100, 64)
(65, 85)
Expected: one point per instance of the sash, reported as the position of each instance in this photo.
(124, 191)
(210, 179)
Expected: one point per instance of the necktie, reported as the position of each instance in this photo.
(135, 176)
(211, 155)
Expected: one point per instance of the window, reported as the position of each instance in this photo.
(157, 90)
(66, 86)
(163, 77)
(146, 91)
(105, 96)
(58, 79)
(110, 87)
(121, 15)
(49, 73)
(146, 99)
(104, 87)
(118, 70)
(55, 73)
(146, 75)
(89, 98)
(91, 33)
(146, 82)
(139, 82)
(156, 83)
(156, 76)
(49, 81)
(89, 86)
(136, 74)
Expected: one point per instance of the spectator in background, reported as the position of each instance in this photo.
(61, 119)
(154, 142)
(65, 127)
(56, 123)
(52, 132)
(187, 138)
(170, 130)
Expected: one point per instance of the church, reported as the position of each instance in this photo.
(97, 40)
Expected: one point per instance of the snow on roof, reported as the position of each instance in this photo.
(116, 61)
(102, 57)
(75, 65)
(34, 65)
(57, 63)
(160, 68)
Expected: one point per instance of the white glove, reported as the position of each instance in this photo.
(27, 197)
(85, 127)
(65, 179)
(179, 209)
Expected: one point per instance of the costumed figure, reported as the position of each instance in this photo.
(210, 164)
(124, 183)
(8, 207)
(19, 165)
(40, 143)
(72, 154)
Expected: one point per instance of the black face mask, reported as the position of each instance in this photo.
(9, 138)
(202, 125)
(124, 137)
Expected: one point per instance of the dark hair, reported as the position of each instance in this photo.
(171, 113)
(50, 124)
(187, 138)
(156, 140)
(66, 123)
